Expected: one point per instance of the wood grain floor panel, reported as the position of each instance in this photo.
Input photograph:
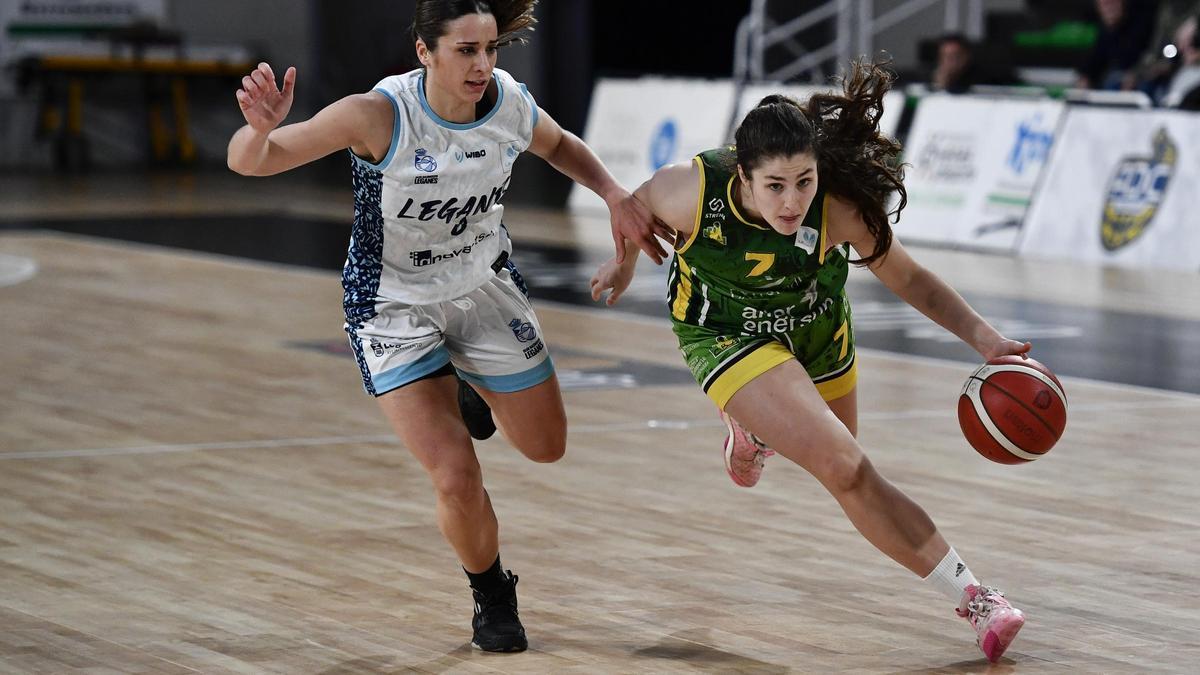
(184, 489)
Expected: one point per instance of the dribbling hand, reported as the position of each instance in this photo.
(263, 104)
(1004, 347)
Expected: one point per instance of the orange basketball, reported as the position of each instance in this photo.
(1012, 410)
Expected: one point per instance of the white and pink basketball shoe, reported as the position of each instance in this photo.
(995, 621)
(744, 453)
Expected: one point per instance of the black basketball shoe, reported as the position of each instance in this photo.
(497, 628)
(475, 412)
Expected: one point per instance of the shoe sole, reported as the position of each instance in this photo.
(996, 642)
(500, 650)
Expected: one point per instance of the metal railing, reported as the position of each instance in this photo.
(855, 27)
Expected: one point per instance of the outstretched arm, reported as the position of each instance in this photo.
(615, 276)
(671, 195)
(572, 157)
(262, 148)
(923, 289)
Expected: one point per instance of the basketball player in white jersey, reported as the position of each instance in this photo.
(429, 290)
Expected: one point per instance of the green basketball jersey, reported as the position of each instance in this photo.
(734, 276)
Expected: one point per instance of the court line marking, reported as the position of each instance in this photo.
(389, 439)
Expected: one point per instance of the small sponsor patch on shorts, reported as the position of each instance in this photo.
(534, 349)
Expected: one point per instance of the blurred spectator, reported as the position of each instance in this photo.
(958, 69)
(1164, 56)
(1183, 90)
(1126, 29)
(955, 60)
(1171, 15)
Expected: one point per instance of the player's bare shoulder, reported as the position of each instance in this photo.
(369, 119)
(672, 194)
(372, 109)
(844, 221)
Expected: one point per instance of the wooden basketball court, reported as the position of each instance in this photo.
(192, 480)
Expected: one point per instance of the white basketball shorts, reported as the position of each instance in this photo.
(490, 335)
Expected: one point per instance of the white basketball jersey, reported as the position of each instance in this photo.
(427, 218)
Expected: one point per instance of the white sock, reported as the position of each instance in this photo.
(952, 576)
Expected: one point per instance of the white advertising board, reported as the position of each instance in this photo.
(1121, 189)
(974, 165)
(637, 126)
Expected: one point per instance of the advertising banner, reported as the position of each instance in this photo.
(637, 126)
(974, 165)
(1121, 189)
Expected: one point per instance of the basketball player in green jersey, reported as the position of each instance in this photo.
(757, 300)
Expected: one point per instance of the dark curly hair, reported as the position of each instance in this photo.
(854, 160)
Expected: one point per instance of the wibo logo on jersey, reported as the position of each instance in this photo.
(424, 162)
(460, 155)
(1136, 191)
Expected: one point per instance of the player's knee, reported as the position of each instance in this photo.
(850, 475)
(547, 452)
(458, 484)
(549, 446)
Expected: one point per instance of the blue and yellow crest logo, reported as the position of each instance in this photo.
(1136, 192)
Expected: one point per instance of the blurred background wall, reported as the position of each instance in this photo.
(57, 121)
